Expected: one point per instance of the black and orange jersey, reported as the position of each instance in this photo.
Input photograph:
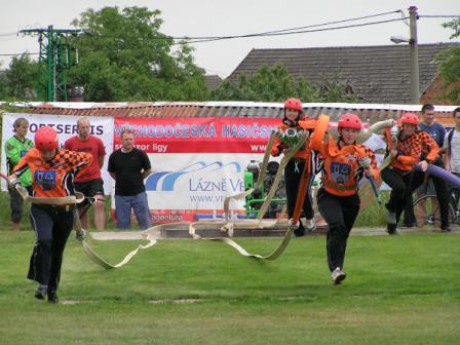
(409, 151)
(341, 171)
(53, 178)
(430, 148)
(287, 136)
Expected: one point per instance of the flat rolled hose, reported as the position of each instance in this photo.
(440, 173)
(317, 137)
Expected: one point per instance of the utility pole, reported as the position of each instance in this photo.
(413, 42)
(55, 57)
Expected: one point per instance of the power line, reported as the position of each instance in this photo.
(9, 34)
(439, 16)
(298, 32)
(278, 32)
(205, 39)
(273, 33)
(335, 22)
(256, 34)
(282, 32)
(19, 54)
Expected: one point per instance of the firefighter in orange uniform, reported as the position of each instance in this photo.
(53, 171)
(399, 174)
(293, 126)
(345, 162)
(430, 152)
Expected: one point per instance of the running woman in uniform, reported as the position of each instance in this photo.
(345, 162)
(53, 171)
(398, 175)
(293, 126)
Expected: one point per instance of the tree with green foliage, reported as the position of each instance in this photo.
(275, 84)
(19, 81)
(449, 68)
(3, 93)
(125, 57)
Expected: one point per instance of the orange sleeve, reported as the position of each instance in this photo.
(407, 160)
(374, 166)
(82, 161)
(275, 151)
(434, 149)
(23, 164)
(308, 123)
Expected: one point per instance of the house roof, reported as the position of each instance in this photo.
(367, 112)
(377, 74)
(213, 81)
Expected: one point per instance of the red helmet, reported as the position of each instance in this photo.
(350, 121)
(46, 139)
(410, 119)
(293, 104)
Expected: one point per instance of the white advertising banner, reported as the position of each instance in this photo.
(196, 185)
(66, 127)
(196, 162)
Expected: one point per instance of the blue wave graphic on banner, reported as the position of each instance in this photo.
(169, 178)
(152, 181)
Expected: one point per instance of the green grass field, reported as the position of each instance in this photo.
(371, 216)
(399, 290)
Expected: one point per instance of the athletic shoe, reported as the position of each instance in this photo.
(311, 226)
(391, 229)
(299, 231)
(53, 298)
(338, 276)
(40, 293)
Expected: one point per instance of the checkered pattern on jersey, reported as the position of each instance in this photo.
(409, 151)
(54, 178)
(411, 146)
(430, 148)
(65, 161)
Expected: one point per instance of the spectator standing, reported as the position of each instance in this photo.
(429, 125)
(89, 183)
(53, 172)
(129, 166)
(16, 147)
(452, 146)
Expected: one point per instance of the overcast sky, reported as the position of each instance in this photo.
(194, 18)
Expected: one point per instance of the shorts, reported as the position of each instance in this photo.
(89, 189)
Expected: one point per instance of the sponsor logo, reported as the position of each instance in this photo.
(166, 180)
(45, 179)
(340, 172)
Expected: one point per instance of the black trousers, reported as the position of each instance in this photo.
(400, 183)
(441, 192)
(52, 227)
(292, 175)
(340, 213)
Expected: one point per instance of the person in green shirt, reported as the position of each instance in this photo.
(16, 147)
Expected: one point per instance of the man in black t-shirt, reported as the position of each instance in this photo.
(129, 166)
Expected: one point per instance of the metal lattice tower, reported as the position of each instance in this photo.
(56, 56)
